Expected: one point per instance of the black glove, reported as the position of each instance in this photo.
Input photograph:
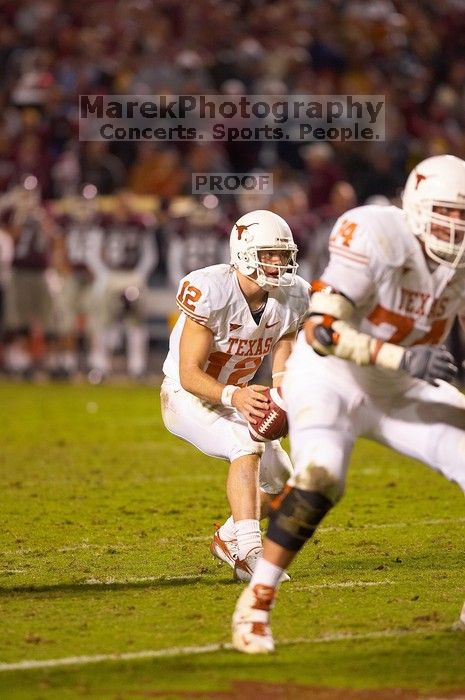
(429, 362)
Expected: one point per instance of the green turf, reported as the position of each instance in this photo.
(104, 549)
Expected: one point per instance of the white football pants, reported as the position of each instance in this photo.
(222, 432)
(326, 414)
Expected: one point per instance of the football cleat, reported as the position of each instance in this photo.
(224, 550)
(251, 632)
(244, 568)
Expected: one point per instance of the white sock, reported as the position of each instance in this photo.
(248, 536)
(227, 531)
(266, 574)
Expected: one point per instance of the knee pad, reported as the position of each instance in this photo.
(295, 516)
(275, 468)
(320, 479)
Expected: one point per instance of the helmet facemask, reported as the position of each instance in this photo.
(442, 235)
(434, 205)
(269, 272)
(263, 249)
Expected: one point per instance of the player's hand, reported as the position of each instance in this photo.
(429, 362)
(251, 402)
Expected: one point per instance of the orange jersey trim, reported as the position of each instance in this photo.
(350, 255)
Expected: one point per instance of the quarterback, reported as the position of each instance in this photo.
(370, 362)
(232, 317)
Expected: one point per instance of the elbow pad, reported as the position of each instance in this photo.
(326, 305)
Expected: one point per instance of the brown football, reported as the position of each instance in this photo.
(274, 424)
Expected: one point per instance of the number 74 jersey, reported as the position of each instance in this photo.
(378, 263)
(213, 298)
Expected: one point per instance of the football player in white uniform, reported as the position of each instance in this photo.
(232, 317)
(370, 362)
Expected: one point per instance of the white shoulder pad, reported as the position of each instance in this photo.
(371, 236)
(202, 291)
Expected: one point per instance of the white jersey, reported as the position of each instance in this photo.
(378, 263)
(212, 297)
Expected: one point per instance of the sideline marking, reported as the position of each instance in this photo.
(183, 651)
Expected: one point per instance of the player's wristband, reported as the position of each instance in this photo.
(227, 394)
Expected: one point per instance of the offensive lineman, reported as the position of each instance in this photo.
(370, 363)
(232, 317)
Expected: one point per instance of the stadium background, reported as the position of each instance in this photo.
(51, 51)
(107, 589)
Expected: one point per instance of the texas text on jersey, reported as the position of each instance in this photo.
(395, 295)
(212, 297)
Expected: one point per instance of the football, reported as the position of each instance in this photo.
(274, 424)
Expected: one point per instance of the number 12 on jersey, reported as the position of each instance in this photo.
(188, 296)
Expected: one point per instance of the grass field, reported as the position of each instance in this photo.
(106, 521)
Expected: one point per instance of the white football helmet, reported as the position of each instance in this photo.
(434, 186)
(257, 233)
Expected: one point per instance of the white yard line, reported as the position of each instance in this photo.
(10, 572)
(80, 546)
(386, 526)
(345, 528)
(342, 584)
(208, 648)
(199, 577)
(144, 579)
(205, 538)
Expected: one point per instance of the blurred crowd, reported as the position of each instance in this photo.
(95, 235)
